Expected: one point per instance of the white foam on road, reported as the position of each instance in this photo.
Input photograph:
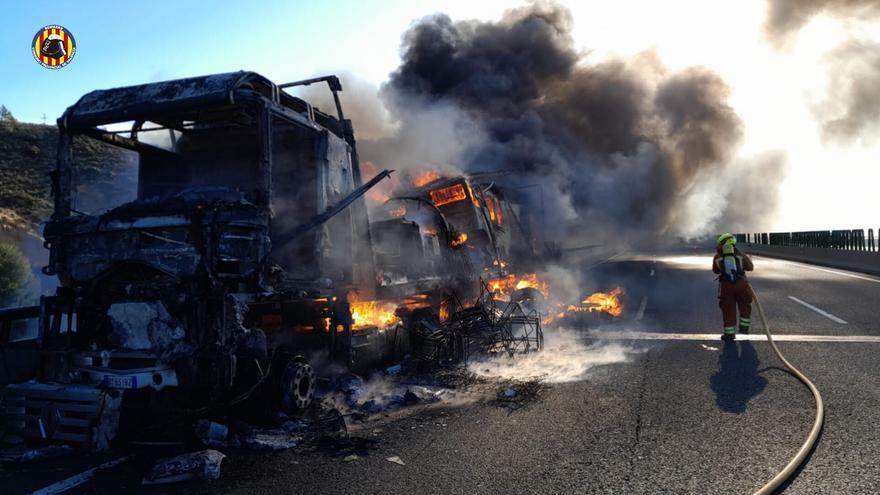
(820, 311)
(565, 358)
(759, 337)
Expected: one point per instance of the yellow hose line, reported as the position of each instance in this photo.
(802, 453)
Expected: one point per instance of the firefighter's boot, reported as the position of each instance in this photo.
(745, 324)
(729, 333)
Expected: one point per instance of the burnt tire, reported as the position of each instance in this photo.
(296, 386)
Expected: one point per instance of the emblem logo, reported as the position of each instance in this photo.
(53, 47)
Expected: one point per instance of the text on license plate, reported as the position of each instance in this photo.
(113, 381)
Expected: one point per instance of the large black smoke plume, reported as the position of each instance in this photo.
(623, 147)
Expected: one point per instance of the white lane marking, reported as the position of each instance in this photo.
(818, 269)
(642, 306)
(757, 337)
(74, 481)
(821, 312)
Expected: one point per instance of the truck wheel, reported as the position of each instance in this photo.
(297, 385)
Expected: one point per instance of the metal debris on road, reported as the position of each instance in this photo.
(270, 440)
(83, 477)
(27, 454)
(396, 460)
(349, 383)
(489, 326)
(295, 426)
(212, 434)
(393, 370)
(518, 394)
(202, 465)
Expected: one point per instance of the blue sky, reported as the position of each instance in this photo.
(124, 43)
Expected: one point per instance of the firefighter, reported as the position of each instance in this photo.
(734, 292)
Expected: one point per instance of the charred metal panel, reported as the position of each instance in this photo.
(401, 252)
(264, 137)
(364, 264)
(61, 178)
(171, 235)
(90, 254)
(120, 104)
(337, 235)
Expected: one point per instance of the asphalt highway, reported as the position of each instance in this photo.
(668, 415)
(678, 416)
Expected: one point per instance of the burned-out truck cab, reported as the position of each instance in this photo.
(230, 265)
(438, 234)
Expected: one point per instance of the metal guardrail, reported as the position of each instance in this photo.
(846, 240)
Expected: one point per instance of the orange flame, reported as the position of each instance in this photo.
(459, 239)
(368, 314)
(605, 302)
(494, 207)
(425, 178)
(503, 287)
(473, 196)
(431, 231)
(608, 302)
(398, 212)
(382, 191)
(378, 196)
(446, 195)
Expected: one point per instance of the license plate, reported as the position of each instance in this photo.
(115, 381)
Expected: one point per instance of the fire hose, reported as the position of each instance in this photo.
(807, 446)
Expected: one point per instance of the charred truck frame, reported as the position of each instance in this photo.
(248, 229)
(235, 262)
(455, 226)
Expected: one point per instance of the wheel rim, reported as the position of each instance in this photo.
(297, 386)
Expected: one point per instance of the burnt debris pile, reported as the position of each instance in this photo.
(488, 326)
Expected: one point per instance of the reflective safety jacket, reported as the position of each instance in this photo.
(732, 265)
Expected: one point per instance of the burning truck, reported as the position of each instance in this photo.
(247, 250)
(440, 231)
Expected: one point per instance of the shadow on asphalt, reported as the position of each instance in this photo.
(737, 380)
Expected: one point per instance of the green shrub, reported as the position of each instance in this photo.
(16, 277)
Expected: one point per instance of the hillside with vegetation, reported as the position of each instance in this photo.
(27, 157)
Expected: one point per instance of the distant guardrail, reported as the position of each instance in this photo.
(844, 240)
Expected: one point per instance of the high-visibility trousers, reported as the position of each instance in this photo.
(732, 297)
